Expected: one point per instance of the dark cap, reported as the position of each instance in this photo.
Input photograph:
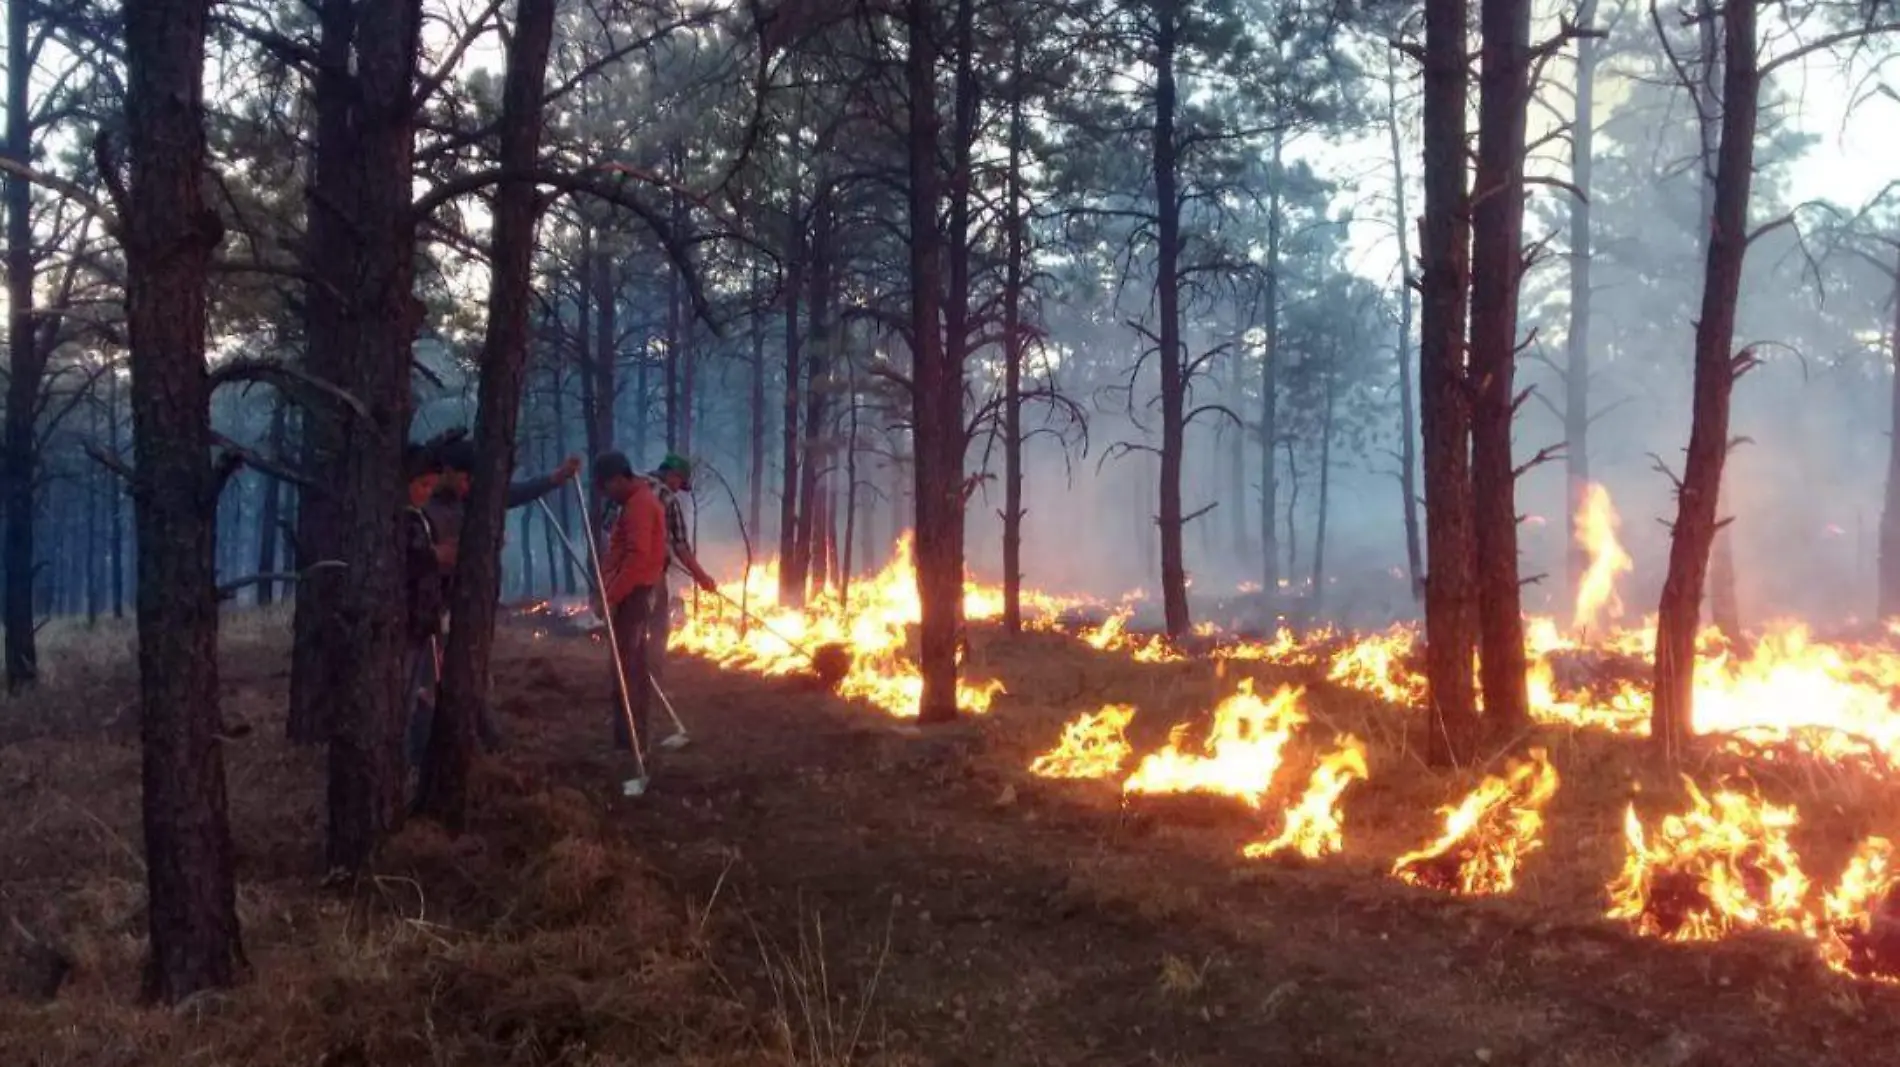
(419, 460)
(611, 465)
(674, 463)
(457, 455)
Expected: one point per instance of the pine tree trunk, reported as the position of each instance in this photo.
(1444, 416)
(1889, 581)
(26, 367)
(805, 567)
(270, 514)
(670, 374)
(791, 589)
(363, 320)
(565, 506)
(465, 659)
(1325, 493)
(755, 482)
(936, 387)
(606, 289)
(1269, 394)
(1716, 368)
(116, 501)
(1168, 297)
(1497, 255)
(1408, 416)
(1577, 371)
(1013, 349)
(170, 232)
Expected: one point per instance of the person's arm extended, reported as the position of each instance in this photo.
(533, 489)
(691, 563)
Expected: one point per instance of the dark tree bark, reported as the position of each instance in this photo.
(1167, 17)
(116, 501)
(1013, 348)
(444, 793)
(1408, 417)
(674, 404)
(1497, 257)
(1444, 414)
(362, 317)
(755, 483)
(566, 506)
(1716, 368)
(1325, 490)
(791, 587)
(1724, 604)
(605, 280)
(805, 567)
(270, 512)
(170, 232)
(1269, 393)
(1889, 596)
(1577, 345)
(26, 366)
(937, 430)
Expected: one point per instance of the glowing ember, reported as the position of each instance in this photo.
(1093, 746)
(1313, 826)
(1724, 865)
(1596, 534)
(1240, 756)
(1488, 834)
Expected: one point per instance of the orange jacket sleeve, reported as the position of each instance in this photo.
(636, 553)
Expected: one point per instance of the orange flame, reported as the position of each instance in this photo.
(1722, 866)
(1093, 746)
(1487, 834)
(1240, 756)
(1313, 825)
(1596, 534)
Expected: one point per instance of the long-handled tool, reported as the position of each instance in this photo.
(637, 786)
(830, 662)
(679, 738)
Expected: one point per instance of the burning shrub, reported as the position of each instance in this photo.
(1488, 834)
(1724, 865)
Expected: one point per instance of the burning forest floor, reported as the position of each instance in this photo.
(814, 882)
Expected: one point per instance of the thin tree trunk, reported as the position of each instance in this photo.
(116, 502)
(675, 405)
(26, 366)
(270, 515)
(755, 483)
(1724, 604)
(1292, 510)
(170, 232)
(1716, 368)
(1269, 392)
(1444, 418)
(791, 589)
(566, 505)
(1408, 417)
(1497, 256)
(1325, 492)
(465, 661)
(606, 286)
(1889, 581)
(1168, 297)
(1577, 372)
(807, 545)
(937, 387)
(1013, 349)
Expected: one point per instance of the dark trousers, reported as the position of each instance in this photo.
(421, 699)
(631, 618)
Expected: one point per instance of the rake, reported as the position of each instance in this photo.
(679, 738)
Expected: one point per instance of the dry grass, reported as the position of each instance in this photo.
(538, 938)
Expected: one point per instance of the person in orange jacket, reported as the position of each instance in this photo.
(632, 567)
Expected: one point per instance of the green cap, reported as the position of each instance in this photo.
(674, 463)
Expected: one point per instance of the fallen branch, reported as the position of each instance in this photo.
(230, 589)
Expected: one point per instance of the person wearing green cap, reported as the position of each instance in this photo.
(673, 477)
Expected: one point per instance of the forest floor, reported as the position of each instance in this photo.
(812, 883)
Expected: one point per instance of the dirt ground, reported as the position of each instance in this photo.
(813, 883)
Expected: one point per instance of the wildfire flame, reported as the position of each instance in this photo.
(1313, 825)
(1722, 866)
(1857, 931)
(1240, 756)
(1488, 834)
(1596, 534)
(1093, 746)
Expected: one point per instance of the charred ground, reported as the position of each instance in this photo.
(811, 883)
